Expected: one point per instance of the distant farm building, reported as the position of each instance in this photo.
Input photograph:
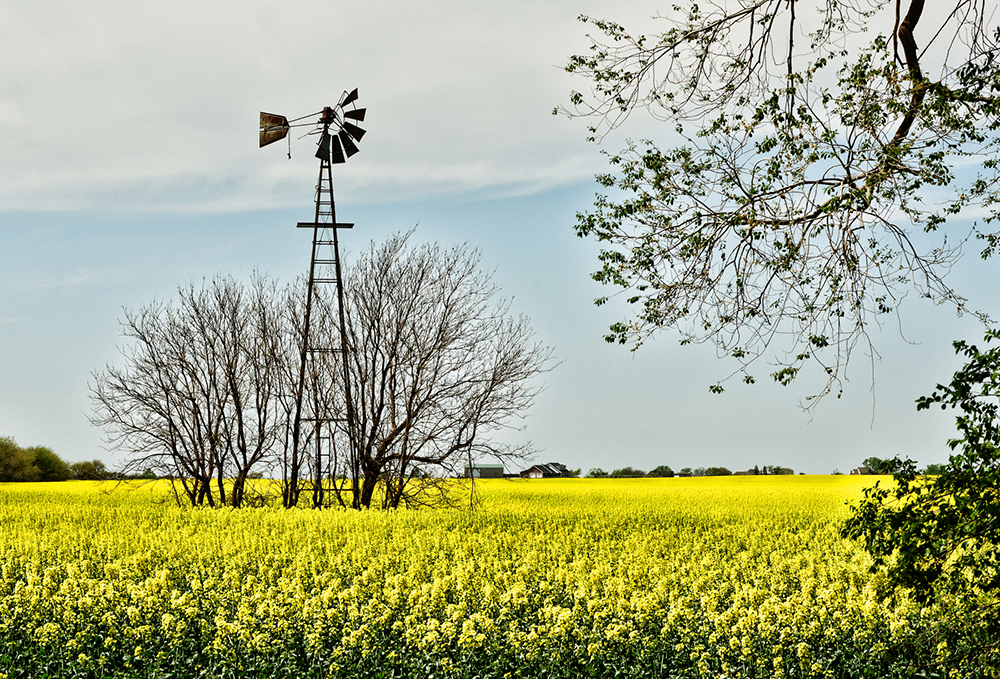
(863, 471)
(552, 470)
(749, 472)
(483, 471)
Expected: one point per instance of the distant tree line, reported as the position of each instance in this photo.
(39, 463)
(875, 465)
(664, 471)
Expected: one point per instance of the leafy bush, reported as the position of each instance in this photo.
(939, 536)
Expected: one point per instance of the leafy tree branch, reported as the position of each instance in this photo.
(783, 220)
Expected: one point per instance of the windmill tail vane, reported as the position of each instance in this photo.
(336, 125)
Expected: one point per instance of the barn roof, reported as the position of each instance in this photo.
(550, 468)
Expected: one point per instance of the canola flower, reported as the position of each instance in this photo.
(698, 577)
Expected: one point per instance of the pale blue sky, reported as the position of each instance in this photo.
(129, 166)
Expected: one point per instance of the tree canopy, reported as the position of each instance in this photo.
(878, 465)
(92, 470)
(627, 473)
(812, 146)
(662, 470)
(37, 463)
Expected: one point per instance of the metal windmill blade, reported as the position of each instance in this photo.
(329, 148)
(349, 148)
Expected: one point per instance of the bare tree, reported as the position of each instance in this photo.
(809, 156)
(438, 364)
(196, 399)
(207, 392)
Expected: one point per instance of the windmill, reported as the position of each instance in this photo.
(338, 138)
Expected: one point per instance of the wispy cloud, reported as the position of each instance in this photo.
(70, 281)
(77, 279)
(453, 106)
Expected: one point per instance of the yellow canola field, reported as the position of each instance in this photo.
(734, 577)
